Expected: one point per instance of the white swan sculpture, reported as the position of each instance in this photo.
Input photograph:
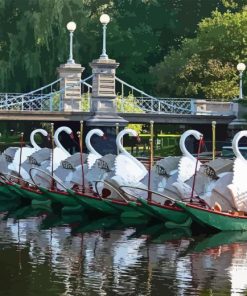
(238, 188)
(59, 154)
(187, 163)
(25, 151)
(187, 166)
(93, 154)
(127, 167)
(90, 161)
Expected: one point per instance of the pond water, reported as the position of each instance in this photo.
(47, 254)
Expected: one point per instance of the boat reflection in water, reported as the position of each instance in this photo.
(224, 256)
(108, 257)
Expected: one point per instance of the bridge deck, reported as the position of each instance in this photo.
(131, 117)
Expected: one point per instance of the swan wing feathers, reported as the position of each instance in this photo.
(238, 188)
(167, 165)
(59, 155)
(130, 192)
(74, 160)
(186, 168)
(3, 164)
(77, 175)
(62, 173)
(183, 189)
(91, 159)
(128, 169)
(202, 183)
(39, 156)
(239, 177)
(158, 182)
(95, 173)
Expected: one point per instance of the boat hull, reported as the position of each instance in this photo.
(213, 219)
(129, 210)
(29, 193)
(63, 198)
(7, 193)
(165, 213)
(93, 203)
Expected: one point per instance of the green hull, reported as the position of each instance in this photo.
(128, 210)
(167, 213)
(94, 203)
(219, 239)
(29, 194)
(60, 197)
(215, 220)
(6, 194)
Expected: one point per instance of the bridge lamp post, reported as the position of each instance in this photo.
(241, 67)
(104, 19)
(71, 26)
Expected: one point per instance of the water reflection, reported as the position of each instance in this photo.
(46, 254)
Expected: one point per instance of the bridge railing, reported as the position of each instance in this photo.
(129, 100)
(148, 103)
(39, 99)
(46, 98)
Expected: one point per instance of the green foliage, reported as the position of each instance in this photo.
(128, 104)
(85, 102)
(35, 41)
(205, 66)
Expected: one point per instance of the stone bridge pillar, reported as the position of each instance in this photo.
(103, 104)
(239, 109)
(70, 83)
(103, 100)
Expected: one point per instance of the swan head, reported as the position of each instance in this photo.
(95, 131)
(127, 131)
(40, 130)
(186, 134)
(235, 142)
(65, 129)
(194, 133)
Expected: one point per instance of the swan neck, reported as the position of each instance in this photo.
(124, 151)
(57, 142)
(32, 140)
(89, 145)
(235, 145)
(182, 146)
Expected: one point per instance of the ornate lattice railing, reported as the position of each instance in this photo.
(46, 98)
(146, 103)
(129, 100)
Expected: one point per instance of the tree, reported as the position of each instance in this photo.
(205, 66)
(34, 39)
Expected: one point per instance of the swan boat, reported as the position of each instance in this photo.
(90, 197)
(219, 217)
(11, 185)
(27, 188)
(53, 188)
(154, 204)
